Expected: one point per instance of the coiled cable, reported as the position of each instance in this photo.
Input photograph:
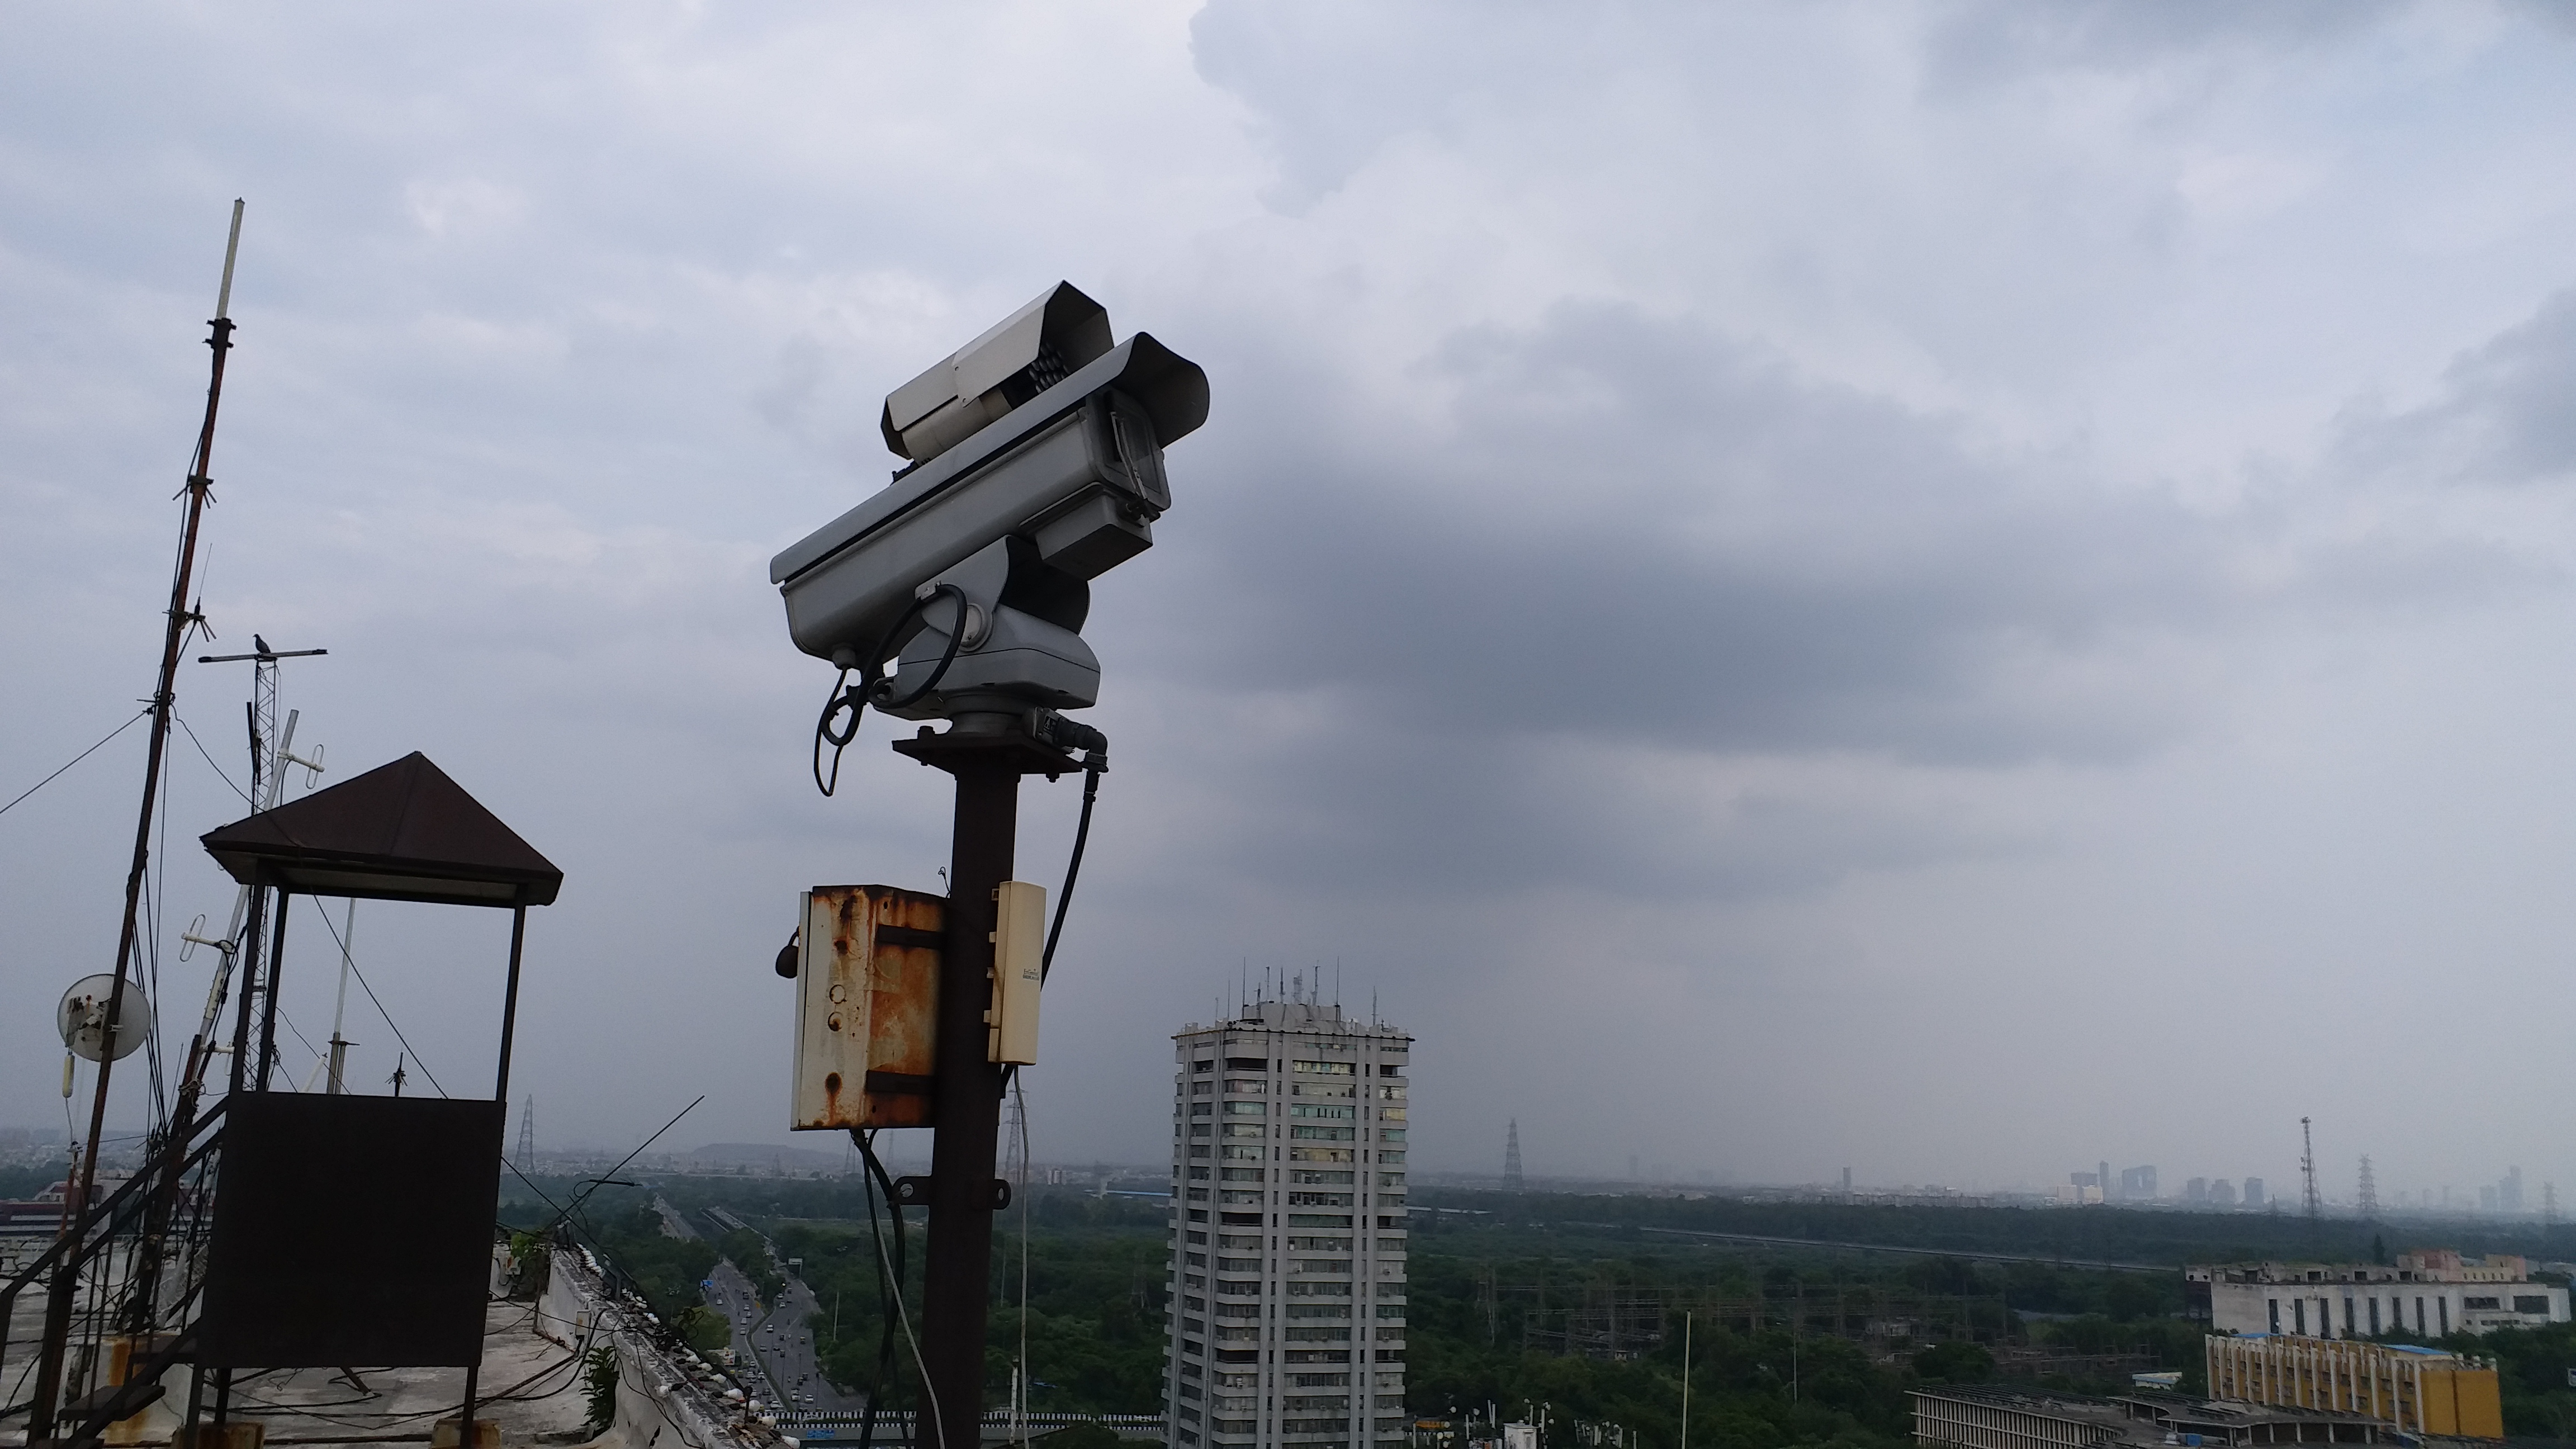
(854, 697)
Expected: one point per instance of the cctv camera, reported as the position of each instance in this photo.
(1037, 465)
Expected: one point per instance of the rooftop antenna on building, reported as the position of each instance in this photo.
(339, 1059)
(180, 621)
(2308, 1171)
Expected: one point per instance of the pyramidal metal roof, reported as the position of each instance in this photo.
(400, 832)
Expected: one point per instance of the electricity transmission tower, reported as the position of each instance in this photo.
(2308, 1172)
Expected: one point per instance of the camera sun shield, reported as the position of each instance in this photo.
(1023, 355)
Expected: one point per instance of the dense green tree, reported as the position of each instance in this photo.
(1955, 1363)
(665, 1270)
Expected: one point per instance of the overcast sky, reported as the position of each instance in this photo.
(1958, 590)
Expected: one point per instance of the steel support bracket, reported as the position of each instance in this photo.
(915, 1192)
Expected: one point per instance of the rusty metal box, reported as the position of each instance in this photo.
(867, 1007)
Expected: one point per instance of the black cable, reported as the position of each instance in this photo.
(602, 1180)
(347, 955)
(1095, 764)
(889, 1310)
(76, 759)
(182, 723)
(956, 637)
(273, 1062)
(854, 697)
(885, 1290)
(847, 696)
(1072, 867)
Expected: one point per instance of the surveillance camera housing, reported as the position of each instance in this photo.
(1072, 477)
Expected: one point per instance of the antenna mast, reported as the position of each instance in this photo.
(2369, 1191)
(179, 622)
(2308, 1171)
(340, 1010)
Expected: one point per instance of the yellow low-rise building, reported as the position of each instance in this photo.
(2415, 1390)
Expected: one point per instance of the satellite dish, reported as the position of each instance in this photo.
(82, 1019)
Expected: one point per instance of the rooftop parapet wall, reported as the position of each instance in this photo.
(2437, 1265)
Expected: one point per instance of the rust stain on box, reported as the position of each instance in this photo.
(867, 1006)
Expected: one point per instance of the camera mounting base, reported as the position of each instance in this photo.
(1011, 752)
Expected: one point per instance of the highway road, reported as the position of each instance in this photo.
(775, 1346)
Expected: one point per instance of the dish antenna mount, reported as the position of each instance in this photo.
(82, 1019)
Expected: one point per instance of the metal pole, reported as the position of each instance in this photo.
(249, 981)
(340, 1008)
(268, 1003)
(967, 1118)
(465, 1417)
(510, 1016)
(500, 1093)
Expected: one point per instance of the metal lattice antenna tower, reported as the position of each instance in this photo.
(2549, 1203)
(1512, 1156)
(2369, 1199)
(528, 1135)
(272, 753)
(265, 746)
(2308, 1171)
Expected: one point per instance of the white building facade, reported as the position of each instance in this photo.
(2424, 1295)
(1287, 1233)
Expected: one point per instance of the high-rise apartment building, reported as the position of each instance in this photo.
(1288, 1232)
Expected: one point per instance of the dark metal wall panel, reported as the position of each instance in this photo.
(352, 1232)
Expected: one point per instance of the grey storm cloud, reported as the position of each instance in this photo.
(2508, 413)
(1645, 530)
(1898, 551)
